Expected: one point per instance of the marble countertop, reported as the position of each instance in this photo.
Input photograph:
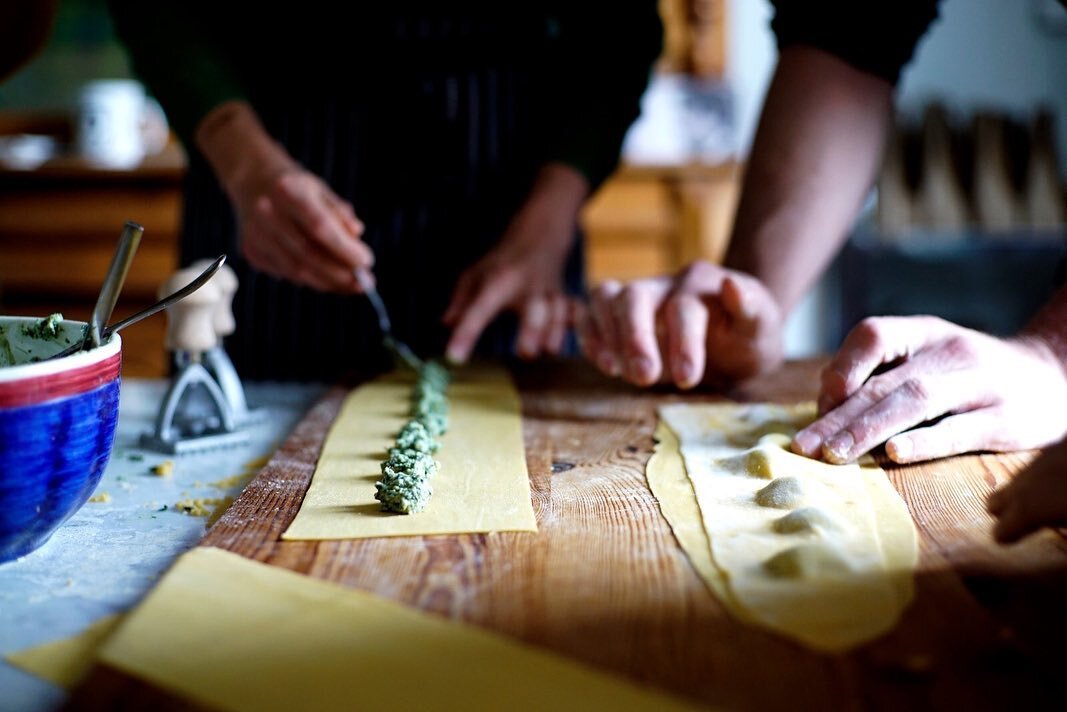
(105, 558)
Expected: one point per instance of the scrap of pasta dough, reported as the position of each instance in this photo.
(821, 553)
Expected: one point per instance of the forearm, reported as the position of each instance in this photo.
(238, 147)
(815, 156)
(554, 203)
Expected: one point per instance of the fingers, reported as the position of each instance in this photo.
(886, 405)
(620, 334)
(590, 341)
(560, 320)
(543, 326)
(1036, 498)
(534, 321)
(634, 310)
(955, 434)
(744, 329)
(872, 343)
(346, 214)
(739, 301)
(608, 355)
(461, 298)
(276, 246)
(268, 249)
(323, 219)
(687, 327)
(490, 298)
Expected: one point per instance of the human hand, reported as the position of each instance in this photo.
(523, 273)
(292, 225)
(893, 375)
(708, 324)
(1036, 498)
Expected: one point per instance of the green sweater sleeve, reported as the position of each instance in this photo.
(177, 59)
(607, 52)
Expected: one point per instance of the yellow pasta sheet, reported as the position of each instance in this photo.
(821, 553)
(234, 634)
(482, 484)
(65, 662)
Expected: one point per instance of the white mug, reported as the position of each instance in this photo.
(117, 123)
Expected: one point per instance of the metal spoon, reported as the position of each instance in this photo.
(113, 281)
(398, 348)
(159, 306)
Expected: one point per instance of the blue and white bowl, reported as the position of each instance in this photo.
(57, 426)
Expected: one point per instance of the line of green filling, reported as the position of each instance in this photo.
(405, 483)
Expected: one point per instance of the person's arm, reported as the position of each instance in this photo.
(928, 388)
(597, 74)
(815, 156)
(524, 271)
(292, 225)
(813, 161)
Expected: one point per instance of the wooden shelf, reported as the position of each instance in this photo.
(59, 223)
(652, 220)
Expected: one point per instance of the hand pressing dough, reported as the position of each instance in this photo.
(821, 553)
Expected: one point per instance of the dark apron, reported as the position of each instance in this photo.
(436, 161)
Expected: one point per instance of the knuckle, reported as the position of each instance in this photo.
(876, 388)
(960, 349)
(915, 389)
(698, 272)
(870, 333)
(505, 274)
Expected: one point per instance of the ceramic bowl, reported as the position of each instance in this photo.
(57, 425)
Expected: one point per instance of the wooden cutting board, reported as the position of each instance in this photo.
(605, 582)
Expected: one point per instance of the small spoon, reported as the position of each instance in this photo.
(399, 349)
(113, 281)
(159, 306)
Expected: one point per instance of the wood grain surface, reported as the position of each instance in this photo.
(605, 582)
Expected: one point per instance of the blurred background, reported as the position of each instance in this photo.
(967, 220)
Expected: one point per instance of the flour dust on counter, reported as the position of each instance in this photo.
(823, 554)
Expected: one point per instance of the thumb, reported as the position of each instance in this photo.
(490, 301)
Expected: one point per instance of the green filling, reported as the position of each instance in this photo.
(7, 358)
(416, 436)
(405, 483)
(46, 328)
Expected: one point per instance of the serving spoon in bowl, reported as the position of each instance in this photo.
(106, 332)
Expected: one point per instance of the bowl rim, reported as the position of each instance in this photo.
(77, 360)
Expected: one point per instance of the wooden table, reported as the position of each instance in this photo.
(605, 582)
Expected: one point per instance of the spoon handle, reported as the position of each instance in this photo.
(162, 304)
(116, 276)
(165, 302)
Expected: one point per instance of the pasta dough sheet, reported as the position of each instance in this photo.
(482, 484)
(65, 662)
(821, 553)
(235, 634)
